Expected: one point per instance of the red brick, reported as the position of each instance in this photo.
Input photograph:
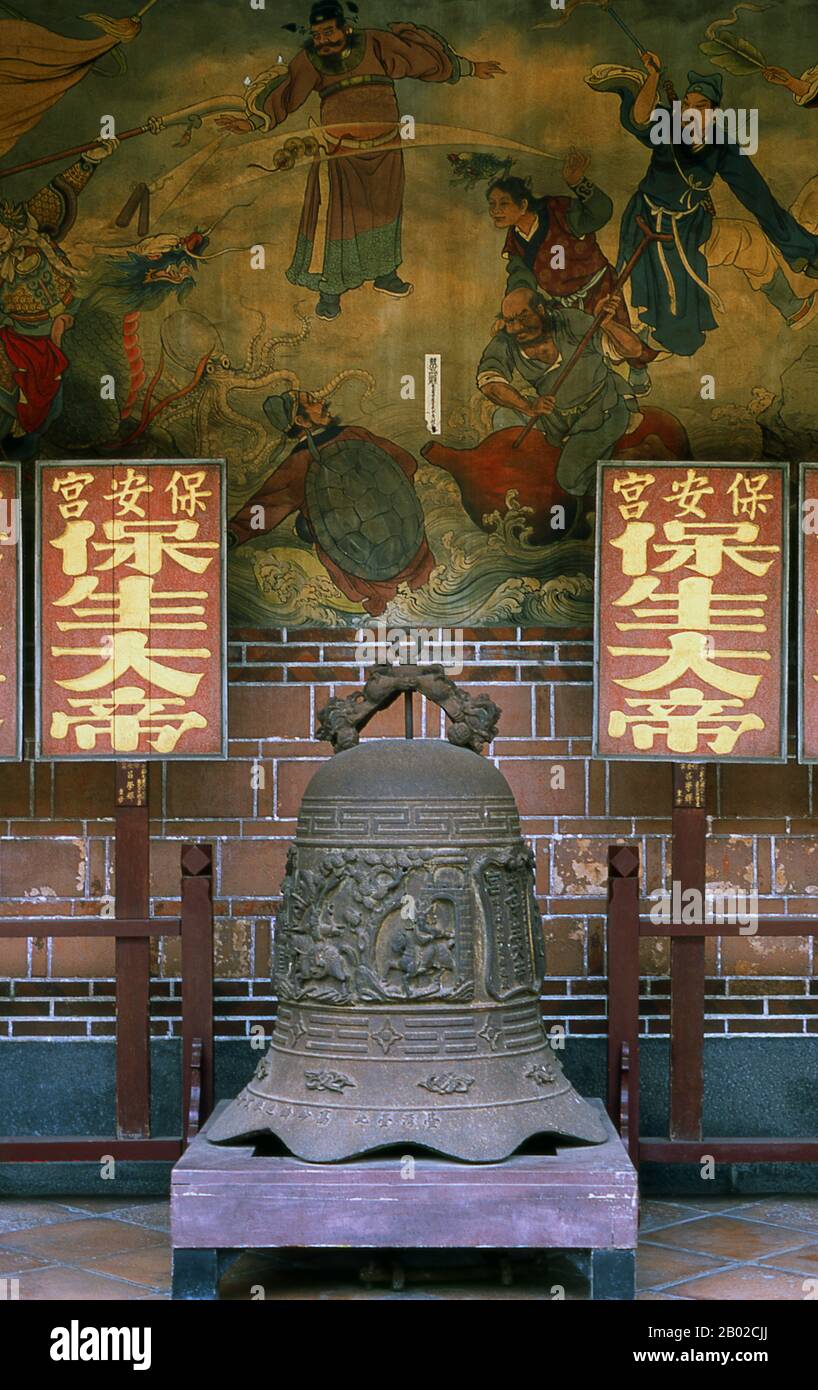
(253, 869)
(15, 789)
(286, 654)
(39, 869)
(84, 956)
(730, 862)
(84, 789)
(13, 958)
(214, 789)
(765, 955)
(324, 674)
(573, 710)
(596, 788)
(565, 946)
(777, 790)
(269, 711)
(515, 706)
(530, 781)
(231, 954)
(580, 867)
(764, 1025)
(49, 1028)
(796, 866)
(640, 789)
(391, 722)
(165, 868)
(293, 775)
(578, 651)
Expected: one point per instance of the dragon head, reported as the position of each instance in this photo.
(146, 275)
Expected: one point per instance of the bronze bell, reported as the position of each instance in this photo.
(408, 952)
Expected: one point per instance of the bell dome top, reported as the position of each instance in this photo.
(393, 769)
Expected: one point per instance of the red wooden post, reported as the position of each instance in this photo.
(687, 956)
(623, 994)
(197, 985)
(133, 954)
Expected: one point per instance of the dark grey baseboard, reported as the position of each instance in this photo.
(754, 1087)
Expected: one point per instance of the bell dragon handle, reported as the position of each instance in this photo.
(473, 718)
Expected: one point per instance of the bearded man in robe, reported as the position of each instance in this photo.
(350, 229)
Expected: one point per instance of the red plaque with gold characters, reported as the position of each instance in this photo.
(11, 662)
(808, 617)
(131, 631)
(691, 622)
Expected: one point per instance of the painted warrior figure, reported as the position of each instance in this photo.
(590, 411)
(350, 229)
(353, 497)
(38, 291)
(670, 285)
(551, 246)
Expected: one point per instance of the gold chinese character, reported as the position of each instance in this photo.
(123, 717)
(187, 491)
(688, 493)
(633, 542)
(71, 487)
(133, 604)
(702, 546)
(693, 606)
(74, 545)
(125, 651)
(684, 717)
(692, 651)
(631, 488)
(127, 492)
(752, 499)
(143, 545)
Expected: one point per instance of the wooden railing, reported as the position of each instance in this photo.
(685, 1142)
(133, 930)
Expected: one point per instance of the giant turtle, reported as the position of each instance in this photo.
(362, 509)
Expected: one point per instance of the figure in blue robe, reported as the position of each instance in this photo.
(669, 285)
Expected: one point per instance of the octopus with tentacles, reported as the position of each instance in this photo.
(207, 408)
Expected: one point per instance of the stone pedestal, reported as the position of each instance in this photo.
(228, 1199)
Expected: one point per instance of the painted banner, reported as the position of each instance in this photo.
(11, 664)
(131, 610)
(691, 621)
(808, 617)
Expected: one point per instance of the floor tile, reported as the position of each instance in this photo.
(657, 1265)
(156, 1215)
(73, 1240)
(744, 1283)
(150, 1267)
(804, 1260)
(709, 1205)
(655, 1214)
(653, 1296)
(727, 1237)
(19, 1216)
(15, 1261)
(101, 1206)
(799, 1212)
(60, 1283)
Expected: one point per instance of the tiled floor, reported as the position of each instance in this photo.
(712, 1248)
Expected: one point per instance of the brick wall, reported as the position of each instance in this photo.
(57, 853)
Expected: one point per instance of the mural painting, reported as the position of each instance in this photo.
(239, 228)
